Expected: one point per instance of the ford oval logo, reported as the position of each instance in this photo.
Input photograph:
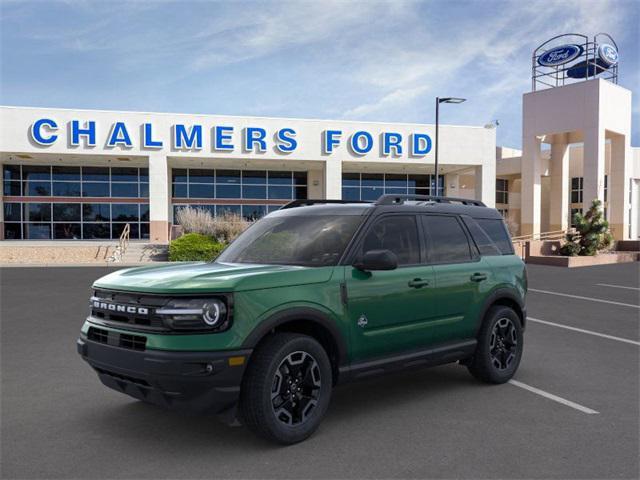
(608, 54)
(560, 55)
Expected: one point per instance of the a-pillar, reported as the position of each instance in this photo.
(485, 183)
(333, 179)
(618, 188)
(531, 186)
(593, 167)
(559, 206)
(159, 198)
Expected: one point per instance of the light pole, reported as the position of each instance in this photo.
(438, 102)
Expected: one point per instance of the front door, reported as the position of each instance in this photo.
(389, 311)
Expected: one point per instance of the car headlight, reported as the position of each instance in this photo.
(195, 314)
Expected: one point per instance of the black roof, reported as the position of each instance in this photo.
(391, 203)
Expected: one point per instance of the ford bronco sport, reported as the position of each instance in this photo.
(317, 293)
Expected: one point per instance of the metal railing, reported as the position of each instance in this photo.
(553, 235)
(123, 243)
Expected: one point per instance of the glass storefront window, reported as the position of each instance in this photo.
(370, 186)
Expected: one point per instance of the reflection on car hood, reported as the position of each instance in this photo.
(194, 277)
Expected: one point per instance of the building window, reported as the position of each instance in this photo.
(576, 190)
(63, 212)
(370, 186)
(504, 212)
(606, 187)
(502, 190)
(205, 187)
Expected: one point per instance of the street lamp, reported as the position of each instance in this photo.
(438, 102)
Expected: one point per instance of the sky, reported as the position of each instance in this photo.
(344, 60)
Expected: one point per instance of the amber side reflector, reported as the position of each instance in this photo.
(236, 361)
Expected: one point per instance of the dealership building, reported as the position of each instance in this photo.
(86, 174)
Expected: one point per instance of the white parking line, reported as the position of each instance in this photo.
(589, 332)
(616, 286)
(585, 298)
(553, 397)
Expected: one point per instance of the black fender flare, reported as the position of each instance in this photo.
(296, 314)
(502, 294)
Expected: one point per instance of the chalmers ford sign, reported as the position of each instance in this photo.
(222, 138)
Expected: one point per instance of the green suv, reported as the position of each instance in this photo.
(317, 293)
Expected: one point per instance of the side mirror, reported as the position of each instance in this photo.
(377, 260)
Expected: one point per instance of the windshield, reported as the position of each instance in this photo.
(313, 241)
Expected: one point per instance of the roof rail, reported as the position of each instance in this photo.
(395, 199)
(309, 202)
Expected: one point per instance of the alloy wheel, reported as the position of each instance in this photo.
(296, 388)
(504, 343)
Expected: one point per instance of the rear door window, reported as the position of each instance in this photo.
(448, 243)
(497, 232)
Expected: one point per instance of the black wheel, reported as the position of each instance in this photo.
(287, 388)
(499, 350)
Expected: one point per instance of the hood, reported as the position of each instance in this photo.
(196, 277)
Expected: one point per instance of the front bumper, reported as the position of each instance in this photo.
(193, 381)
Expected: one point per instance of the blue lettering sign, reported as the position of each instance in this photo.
(37, 134)
(391, 140)
(286, 140)
(186, 139)
(119, 136)
(359, 147)
(420, 144)
(255, 136)
(608, 54)
(222, 137)
(331, 139)
(147, 138)
(89, 131)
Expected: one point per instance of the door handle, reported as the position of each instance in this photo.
(478, 277)
(418, 283)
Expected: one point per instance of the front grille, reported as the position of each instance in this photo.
(128, 309)
(122, 340)
(98, 335)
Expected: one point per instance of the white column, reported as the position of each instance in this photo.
(618, 187)
(333, 179)
(531, 186)
(485, 183)
(593, 167)
(159, 198)
(559, 205)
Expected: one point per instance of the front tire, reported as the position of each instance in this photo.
(287, 388)
(500, 344)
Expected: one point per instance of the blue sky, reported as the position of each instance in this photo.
(366, 60)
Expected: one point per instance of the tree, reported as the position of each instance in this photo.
(591, 235)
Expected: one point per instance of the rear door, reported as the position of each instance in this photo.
(462, 276)
(389, 311)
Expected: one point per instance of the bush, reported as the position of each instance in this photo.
(194, 247)
(223, 228)
(591, 235)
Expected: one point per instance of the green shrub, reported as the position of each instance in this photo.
(194, 247)
(591, 235)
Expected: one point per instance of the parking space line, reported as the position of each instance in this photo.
(553, 397)
(585, 298)
(616, 286)
(589, 332)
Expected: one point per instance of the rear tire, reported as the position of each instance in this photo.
(500, 344)
(286, 389)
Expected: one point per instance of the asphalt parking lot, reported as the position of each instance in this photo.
(572, 412)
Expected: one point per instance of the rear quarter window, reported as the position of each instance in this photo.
(497, 232)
